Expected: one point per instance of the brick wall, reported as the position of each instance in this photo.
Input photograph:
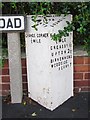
(81, 75)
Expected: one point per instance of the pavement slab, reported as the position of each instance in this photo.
(77, 106)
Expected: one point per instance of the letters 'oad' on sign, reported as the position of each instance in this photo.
(11, 23)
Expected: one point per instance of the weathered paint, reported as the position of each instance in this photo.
(49, 63)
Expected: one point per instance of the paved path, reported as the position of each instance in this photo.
(75, 107)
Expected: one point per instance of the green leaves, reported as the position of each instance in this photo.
(1, 5)
(13, 4)
(80, 11)
(56, 37)
(64, 32)
(81, 30)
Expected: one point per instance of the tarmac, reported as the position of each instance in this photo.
(77, 106)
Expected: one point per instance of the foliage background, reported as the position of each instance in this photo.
(80, 24)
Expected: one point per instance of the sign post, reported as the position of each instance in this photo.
(12, 25)
(49, 63)
(15, 67)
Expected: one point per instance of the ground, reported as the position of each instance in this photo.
(75, 107)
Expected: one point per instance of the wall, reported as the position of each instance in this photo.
(81, 75)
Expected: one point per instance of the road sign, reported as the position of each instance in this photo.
(11, 23)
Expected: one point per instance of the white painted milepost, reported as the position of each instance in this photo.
(49, 63)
